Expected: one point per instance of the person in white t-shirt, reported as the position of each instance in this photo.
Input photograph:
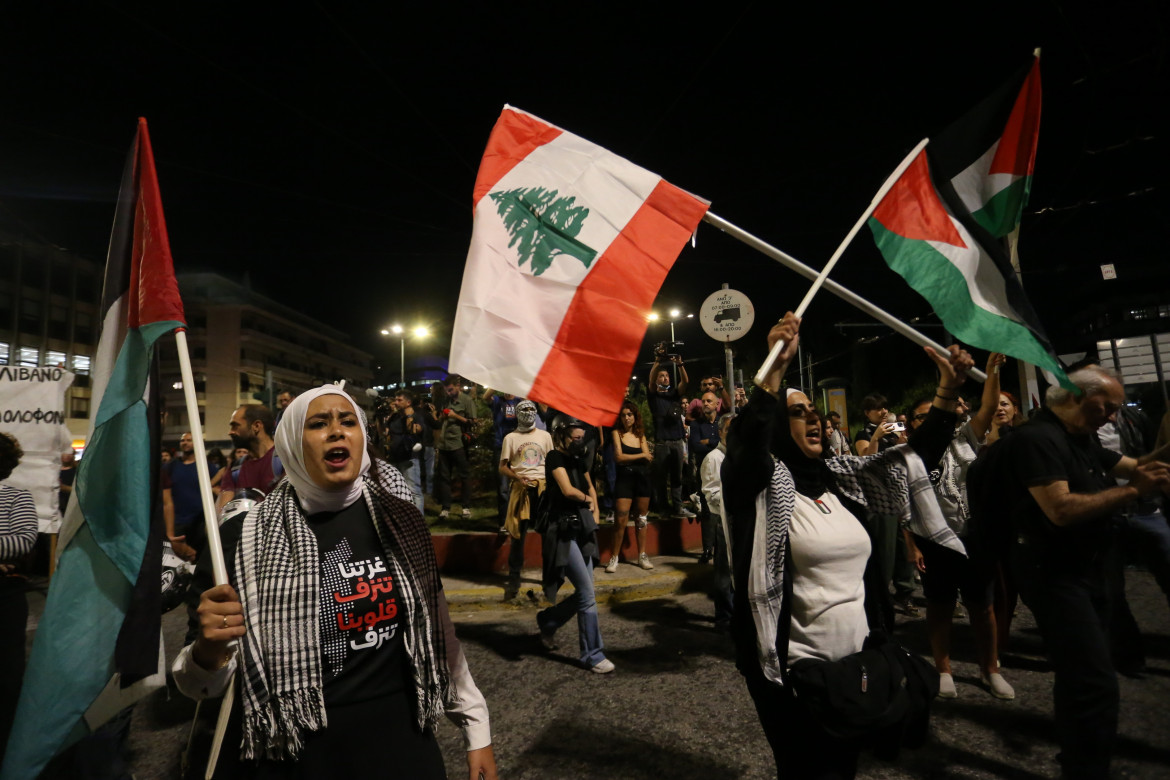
(522, 461)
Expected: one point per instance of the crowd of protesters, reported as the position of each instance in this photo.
(817, 538)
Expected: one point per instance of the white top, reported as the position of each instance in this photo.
(829, 553)
(712, 480)
(524, 452)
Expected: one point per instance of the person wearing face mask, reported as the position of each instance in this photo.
(335, 619)
(522, 454)
(569, 536)
(801, 550)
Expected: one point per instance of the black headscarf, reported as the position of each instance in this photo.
(810, 475)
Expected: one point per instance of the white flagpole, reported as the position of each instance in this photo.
(770, 362)
(211, 523)
(841, 292)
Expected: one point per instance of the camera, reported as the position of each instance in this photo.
(668, 349)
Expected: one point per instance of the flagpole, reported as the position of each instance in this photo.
(778, 347)
(211, 523)
(843, 293)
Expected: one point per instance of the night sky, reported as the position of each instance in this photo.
(330, 150)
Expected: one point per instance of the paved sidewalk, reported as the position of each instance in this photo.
(672, 574)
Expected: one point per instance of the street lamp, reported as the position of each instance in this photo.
(675, 314)
(419, 332)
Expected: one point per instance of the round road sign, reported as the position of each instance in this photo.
(726, 315)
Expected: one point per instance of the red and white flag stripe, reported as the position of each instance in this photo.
(570, 246)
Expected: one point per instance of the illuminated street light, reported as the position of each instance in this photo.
(419, 332)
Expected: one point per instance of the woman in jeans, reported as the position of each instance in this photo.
(570, 544)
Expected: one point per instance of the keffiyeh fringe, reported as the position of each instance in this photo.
(279, 581)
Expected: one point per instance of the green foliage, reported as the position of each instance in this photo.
(543, 226)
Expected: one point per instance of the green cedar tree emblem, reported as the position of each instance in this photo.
(543, 226)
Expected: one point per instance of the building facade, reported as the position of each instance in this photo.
(241, 343)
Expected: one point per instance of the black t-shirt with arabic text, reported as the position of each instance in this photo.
(362, 614)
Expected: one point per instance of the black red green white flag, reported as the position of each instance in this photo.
(97, 645)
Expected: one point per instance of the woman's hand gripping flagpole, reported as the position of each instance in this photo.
(211, 523)
(778, 347)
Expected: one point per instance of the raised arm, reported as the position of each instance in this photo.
(932, 437)
(652, 377)
(748, 465)
(683, 379)
(981, 422)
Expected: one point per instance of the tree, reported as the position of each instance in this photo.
(543, 226)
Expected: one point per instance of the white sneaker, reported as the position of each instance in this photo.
(999, 687)
(946, 686)
(644, 562)
(604, 667)
(611, 567)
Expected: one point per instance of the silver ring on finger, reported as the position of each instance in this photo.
(225, 621)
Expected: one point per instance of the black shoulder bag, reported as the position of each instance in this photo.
(880, 695)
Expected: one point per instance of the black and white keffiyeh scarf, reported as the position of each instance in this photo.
(278, 576)
(887, 483)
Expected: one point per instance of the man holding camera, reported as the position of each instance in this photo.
(665, 402)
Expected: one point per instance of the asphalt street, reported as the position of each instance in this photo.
(676, 707)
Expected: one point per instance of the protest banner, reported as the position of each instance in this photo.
(32, 408)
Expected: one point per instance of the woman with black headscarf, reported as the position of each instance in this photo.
(801, 549)
(339, 632)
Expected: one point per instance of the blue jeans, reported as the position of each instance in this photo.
(411, 473)
(429, 463)
(581, 603)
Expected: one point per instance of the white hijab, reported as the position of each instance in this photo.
(290, 448)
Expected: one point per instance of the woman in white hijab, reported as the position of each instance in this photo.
(339, 631)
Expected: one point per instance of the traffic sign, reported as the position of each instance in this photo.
(726, 315)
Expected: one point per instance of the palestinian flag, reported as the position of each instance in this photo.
(985, 160)
(569, 248)
(975, 296)
(97, 647)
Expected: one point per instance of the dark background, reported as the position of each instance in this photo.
(329, 151)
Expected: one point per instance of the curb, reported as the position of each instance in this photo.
(671, 575)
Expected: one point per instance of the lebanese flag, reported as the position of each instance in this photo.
(985, 160)
(570, 246)
(923, 241)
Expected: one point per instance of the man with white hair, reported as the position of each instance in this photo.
(1047, 495)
